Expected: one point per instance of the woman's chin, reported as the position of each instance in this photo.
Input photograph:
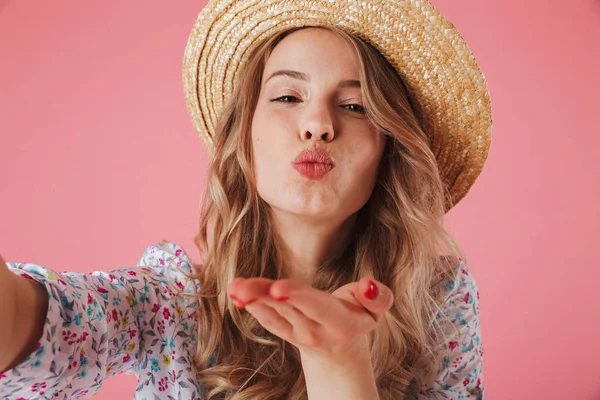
(309, 211)
(313, 204)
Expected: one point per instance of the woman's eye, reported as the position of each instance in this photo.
(355, 108)
(286, 99)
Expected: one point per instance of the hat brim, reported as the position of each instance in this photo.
(447, 87)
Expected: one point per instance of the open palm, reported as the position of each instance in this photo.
(315, 321)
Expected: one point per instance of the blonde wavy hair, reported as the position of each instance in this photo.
(399, 239)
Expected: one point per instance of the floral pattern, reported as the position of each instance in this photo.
(131, 320)
(460, 375)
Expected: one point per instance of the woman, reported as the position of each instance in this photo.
(338, 145)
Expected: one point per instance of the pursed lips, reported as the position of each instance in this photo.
(313, 163)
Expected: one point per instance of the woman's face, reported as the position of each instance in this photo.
(311, 99)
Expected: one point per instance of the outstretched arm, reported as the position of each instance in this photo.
(330, 330)
(23, 306)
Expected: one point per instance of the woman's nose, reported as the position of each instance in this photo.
(325, 136)
(318, 124)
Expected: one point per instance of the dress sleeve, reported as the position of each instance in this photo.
(460, 374)
(95, 325)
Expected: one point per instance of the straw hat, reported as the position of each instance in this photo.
(447, 88)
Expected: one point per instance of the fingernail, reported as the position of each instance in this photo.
(236, 302)
(280, 298)
(372, 291)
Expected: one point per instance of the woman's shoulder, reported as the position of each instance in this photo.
(171, 262)
(452, 275)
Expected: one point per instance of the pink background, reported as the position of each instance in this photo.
(98, 160)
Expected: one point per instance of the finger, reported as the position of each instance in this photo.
(304, 330)
(332, 313)
(374, 296)
(283, 288)
(248, 290)
(271, 320)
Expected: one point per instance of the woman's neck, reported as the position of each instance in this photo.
(307, 244)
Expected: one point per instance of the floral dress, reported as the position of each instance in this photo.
(131, 320)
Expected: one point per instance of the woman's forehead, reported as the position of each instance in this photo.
(311, 52)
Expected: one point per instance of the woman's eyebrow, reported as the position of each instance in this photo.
(304, 77)
(292, 74)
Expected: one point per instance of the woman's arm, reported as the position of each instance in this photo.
(460, 374)
(329, 329)
(95, 326)
(23, 306)
(351, 378)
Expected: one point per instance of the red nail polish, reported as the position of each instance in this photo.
(372, 291)
(251, 301)
(237, 302)
(280, 298)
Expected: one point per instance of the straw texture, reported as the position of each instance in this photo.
(446, 85)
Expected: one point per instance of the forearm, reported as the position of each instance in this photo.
(350, 379)
(23, 306)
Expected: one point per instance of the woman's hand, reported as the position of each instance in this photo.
(321, 325)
